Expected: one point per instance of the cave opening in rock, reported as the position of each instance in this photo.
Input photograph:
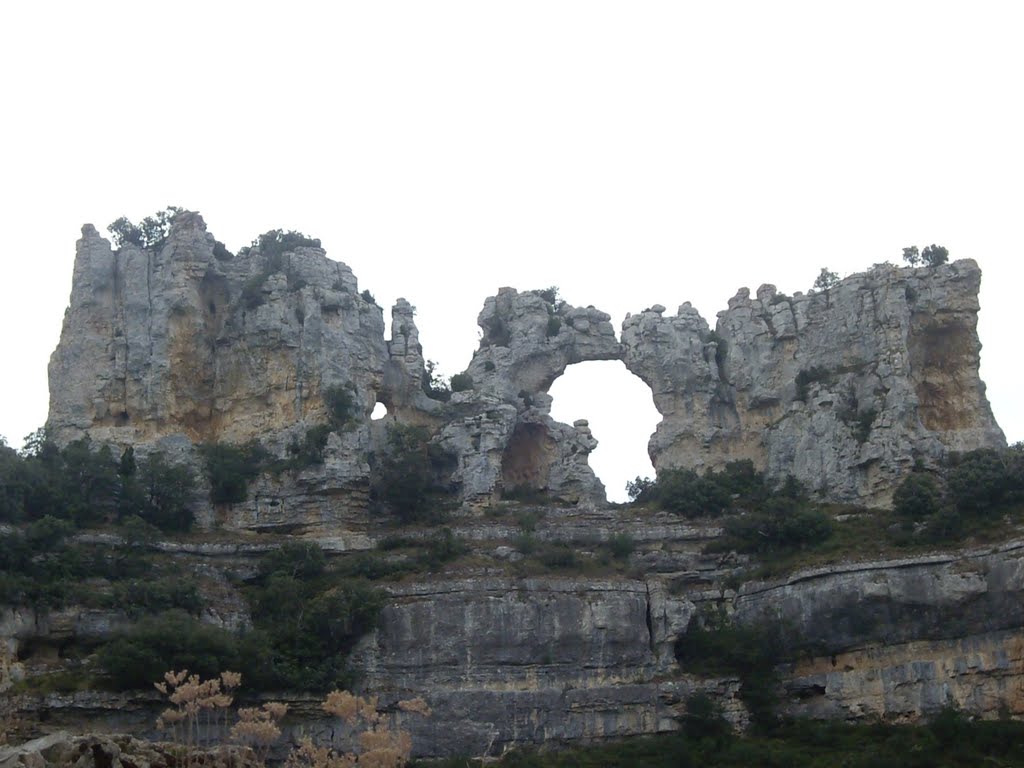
(622, 417)
(379, 411)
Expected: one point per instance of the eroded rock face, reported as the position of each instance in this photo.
(166, 348)
(844, 389)
(528, 341)
(177, 340)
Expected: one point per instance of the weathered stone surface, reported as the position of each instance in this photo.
(505, 659)
(177, 340)
(979, 674)
(63, 750)
(529, 341)
(844, 389)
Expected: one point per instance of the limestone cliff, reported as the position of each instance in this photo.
(186, 343)
(168, 347)
(844, 388)
(179, 339)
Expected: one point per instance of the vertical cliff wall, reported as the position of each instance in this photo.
(177, 339)
(844, 388)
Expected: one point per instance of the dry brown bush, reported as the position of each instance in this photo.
(201, 709)
(380, 744)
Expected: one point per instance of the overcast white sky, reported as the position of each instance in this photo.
(629, 153)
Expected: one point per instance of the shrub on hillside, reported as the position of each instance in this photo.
(408, 478)
(171, 640)
(340, 401)
(229, 468)
(918, 497)
(987, 479)
(780, 524)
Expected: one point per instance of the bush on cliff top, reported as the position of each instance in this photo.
(151, 232)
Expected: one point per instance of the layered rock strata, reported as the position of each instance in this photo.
(506, 659)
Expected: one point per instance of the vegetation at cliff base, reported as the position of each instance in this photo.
(89, 486)
(756, 518)
(969, 492)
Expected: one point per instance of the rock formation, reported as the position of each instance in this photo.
(184, 343)
(169, 347)
(843, 389)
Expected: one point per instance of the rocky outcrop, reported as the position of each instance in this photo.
(184, 343)
(63, 750)
(180, 340)
(844, 389)
(528, 340)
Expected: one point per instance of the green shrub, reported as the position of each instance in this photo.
(310, 451)
(89, 487)
(171, 640)
(229, 468)
(686, 493)
(434, 385)
(714, 645)
(641, 490)
(275, 243)
(272, 246)
(621, 546)
(300, 560)
(368, 297)
(554, 326)
(366, 565)
(150, 233)
(934, 255)
(442, 548)
(340, 401)
(461, 382)
(160, 494)
(557, 555)
(986, 480)
(310, 626)
(741, 481)
(525, 543)
(395, 541)
(408, 478)
(142, 596)
(826, 280)
(780, 525)
(918, 497)
(550, 295)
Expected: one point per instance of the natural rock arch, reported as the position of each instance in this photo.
(619, 409)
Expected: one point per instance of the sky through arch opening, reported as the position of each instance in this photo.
(622, 416)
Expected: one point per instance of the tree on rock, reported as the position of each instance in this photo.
(912, 256)
(934, 255)
(826, 279)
